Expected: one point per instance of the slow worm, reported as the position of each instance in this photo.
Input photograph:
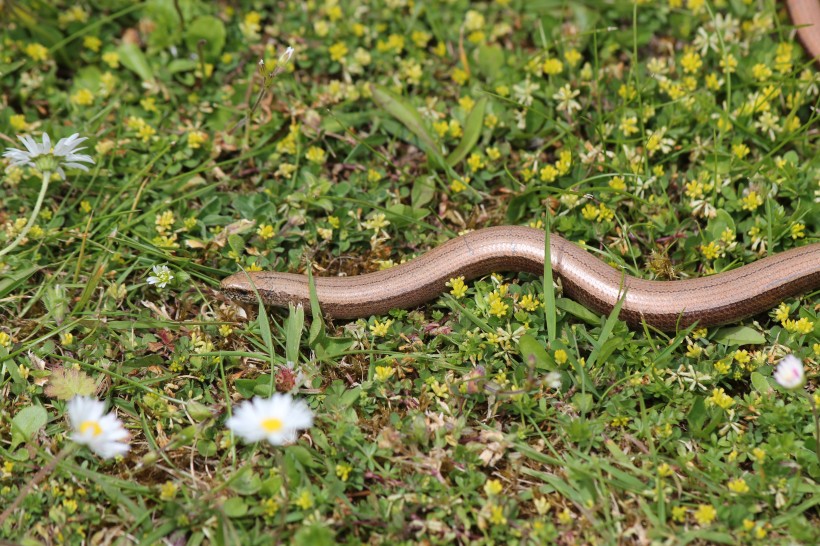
(805, 15)
(667, 305)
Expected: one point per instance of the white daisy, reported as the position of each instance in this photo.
(102, 433)
(274, 419)
(45, 158)
(789, 373)
(162, 276)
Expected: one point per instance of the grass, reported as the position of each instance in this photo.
(672, 139)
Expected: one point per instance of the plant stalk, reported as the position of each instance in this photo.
(33, 218)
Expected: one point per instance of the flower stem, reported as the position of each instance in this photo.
(816, 425)
(34, 214)
(41, 474)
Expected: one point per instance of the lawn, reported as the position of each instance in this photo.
(671, 139)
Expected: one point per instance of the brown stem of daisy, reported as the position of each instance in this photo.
(41, 474)
(33, 218)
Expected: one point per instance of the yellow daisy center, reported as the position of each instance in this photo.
(272, 424)
(93, 426)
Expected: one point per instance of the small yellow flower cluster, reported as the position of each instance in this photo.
(139, 125)
(711, 251)
(529, 303)
(601, 213)
(288, 144)
(338, 51)
(265, 231)
(250, 26)
(384, 373)
(475, 162)
(376, 222)
(457, 287)
(801, 326)
(83, 97)
(343, 471)
(721, 399)
(168, 491)
(441, 390)
(738, 486)
(458, 185)
(380, 329)
(705, 514)
(5, 340)
(196, 139)
(394, 44)
(751, 201)
(316, 155)
(36, 52)
(112, 59)
(497, 306)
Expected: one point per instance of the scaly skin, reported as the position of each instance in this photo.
(666, 305)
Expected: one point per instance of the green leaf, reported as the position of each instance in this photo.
(761, 383)
(424, 189)
(534, 353)
(578, 311)
(317, 325)
(294, 325)
(65, 384)
(472, 130)
(26, 424)
(719, 223)
(583, 401)
(134, 60)
(315, 535)
(697, 416)
(235, 507)
(406, 114)
(301, 454)
(739, 335)
(237, 243)
(490, 60)
(13, 279)
(211, 30)
(401, 215)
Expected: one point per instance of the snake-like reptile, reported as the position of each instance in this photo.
(667, 305)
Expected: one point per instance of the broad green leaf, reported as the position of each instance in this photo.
(697, 416)
(719, 223)
(235, 507)
(211, 30)
(26, 424)
(65, 384)
(423, 191)
(760, 383)
(237, 243)
(490, 60)
(134, 60)
(578, 311)
(583, 402)
(401, 215)
(472, 130)
(534, 353)
(406, 114)
(739, 335)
